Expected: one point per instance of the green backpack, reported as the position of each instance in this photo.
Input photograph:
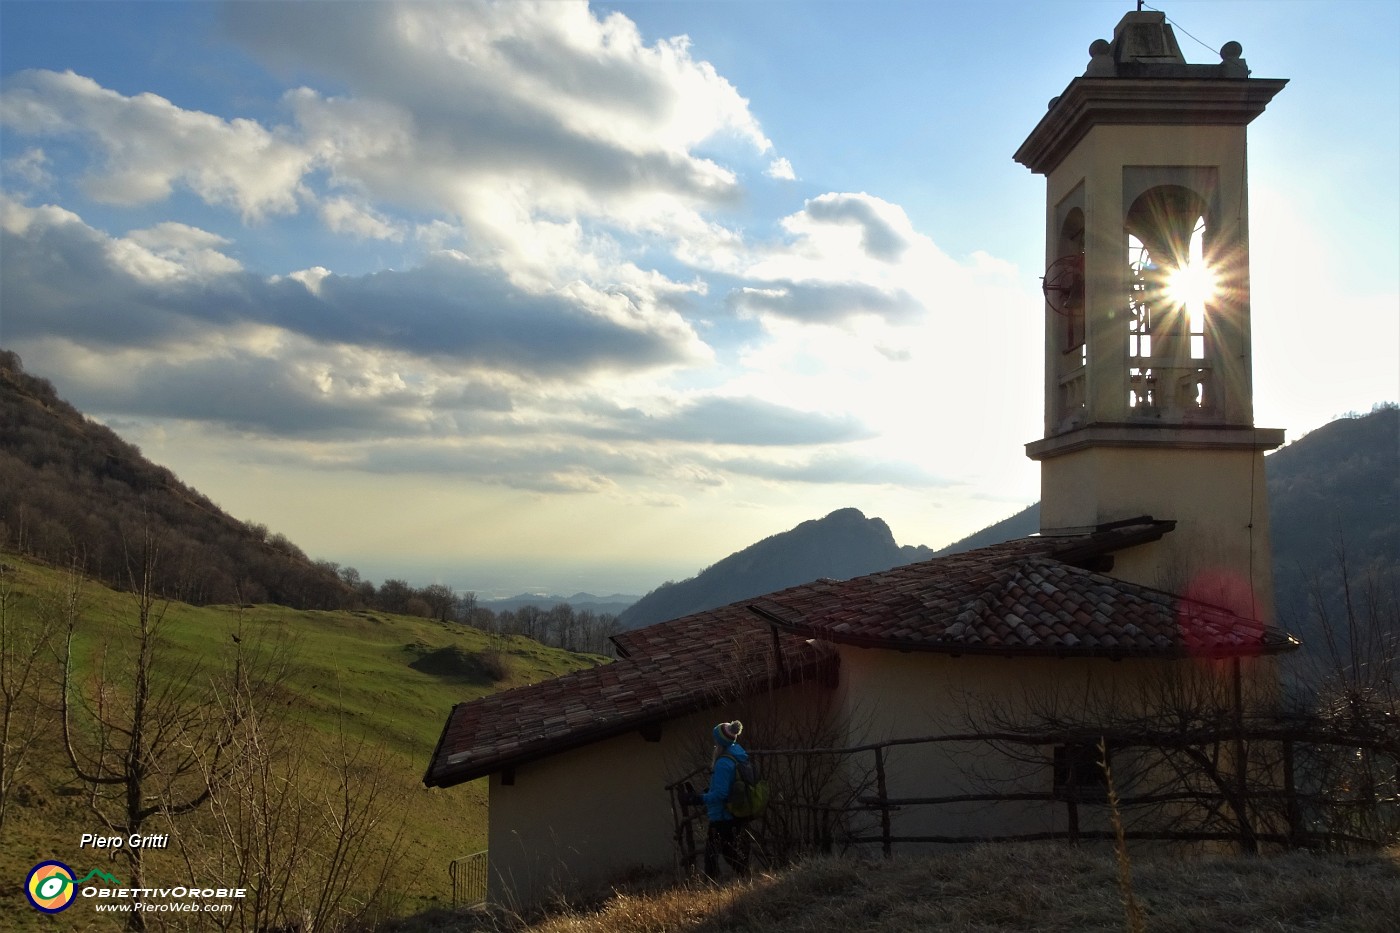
(748, 795)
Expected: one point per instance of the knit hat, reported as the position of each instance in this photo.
(727, 732)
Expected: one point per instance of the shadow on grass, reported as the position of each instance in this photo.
(458, 665)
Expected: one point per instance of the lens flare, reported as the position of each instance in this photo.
(1193, 286)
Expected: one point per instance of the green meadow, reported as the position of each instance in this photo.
(378, 681)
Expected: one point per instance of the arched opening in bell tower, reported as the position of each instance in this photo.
(1064, 292)
(1171, 287)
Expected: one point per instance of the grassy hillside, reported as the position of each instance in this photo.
(389, 679)
(993, 889)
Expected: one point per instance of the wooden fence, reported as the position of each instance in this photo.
(469, 876)
(1278, 786)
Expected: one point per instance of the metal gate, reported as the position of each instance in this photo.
(469, 875)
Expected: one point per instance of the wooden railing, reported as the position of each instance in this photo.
(1213, 802)
(469, 876)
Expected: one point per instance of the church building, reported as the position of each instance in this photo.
(1153, 551)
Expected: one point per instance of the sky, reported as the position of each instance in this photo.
(565, 296)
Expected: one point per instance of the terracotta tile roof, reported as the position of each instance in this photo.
(1019, 600)
(1033, 596)
(668, 670)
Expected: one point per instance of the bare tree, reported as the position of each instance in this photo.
(312, 831)
(1207, 750)
(1190, 745)
(441, 601)
(1349, 685)
(26, 639)
(141, 732)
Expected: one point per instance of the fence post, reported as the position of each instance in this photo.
(1248, 840)
(1290, 793)
(882, 792)
(684, 830)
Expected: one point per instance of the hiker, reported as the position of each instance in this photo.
(726, 834)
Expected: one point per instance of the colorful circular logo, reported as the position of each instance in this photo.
(50, 887)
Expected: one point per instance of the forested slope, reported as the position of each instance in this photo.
(71, 489)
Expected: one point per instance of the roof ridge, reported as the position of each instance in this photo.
(975, 607)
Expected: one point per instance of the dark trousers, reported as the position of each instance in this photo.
(727, 838)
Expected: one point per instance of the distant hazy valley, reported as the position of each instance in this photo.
(1338, 486)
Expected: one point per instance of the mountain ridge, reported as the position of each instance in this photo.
(614, 603)
(1336, 487)
(842, 544)
(1341, 479)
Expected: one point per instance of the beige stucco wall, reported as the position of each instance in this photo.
(887, 695)
(1219, 552)
(571, 819)
(579, 819)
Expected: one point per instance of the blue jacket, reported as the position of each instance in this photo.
(722, 781)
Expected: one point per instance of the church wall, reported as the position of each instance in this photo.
(1219, 552)
(887, 695)
(574, 821)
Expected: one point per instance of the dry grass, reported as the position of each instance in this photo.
(1004, 888)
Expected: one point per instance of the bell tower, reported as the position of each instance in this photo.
(1149, 404)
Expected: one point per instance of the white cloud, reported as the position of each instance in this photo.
(781, 169)
(849, 257)
(343, 215)
(519, 121)
(311, 278)
(544, 164)
(538, 139)
(30, 167)
(149, 146)
(884, 229)
(18, 220)
(170, 282)
(172, 250)
(594, 77)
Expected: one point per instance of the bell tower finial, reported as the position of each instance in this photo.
(1149, 404)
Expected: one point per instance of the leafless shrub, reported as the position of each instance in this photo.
(494, 664)
(141, 733)
(1347, 686)
(26, 656)
(311, 828)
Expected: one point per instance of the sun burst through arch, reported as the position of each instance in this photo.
(1195, 283)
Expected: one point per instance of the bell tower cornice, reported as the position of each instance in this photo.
(1090, 102)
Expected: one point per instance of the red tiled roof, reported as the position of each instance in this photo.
(1015, 600)
(1033, 596)
(667, 670)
